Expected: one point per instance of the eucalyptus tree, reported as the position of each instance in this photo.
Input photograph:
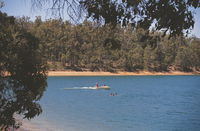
(194, 51)
(22, 73)
(170, 16)
(182, 60)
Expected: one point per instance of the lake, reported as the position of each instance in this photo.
(142, 103)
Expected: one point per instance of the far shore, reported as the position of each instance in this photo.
(101, 73)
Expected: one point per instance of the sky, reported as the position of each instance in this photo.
(20, 8)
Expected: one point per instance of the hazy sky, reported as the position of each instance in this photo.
(24, 8)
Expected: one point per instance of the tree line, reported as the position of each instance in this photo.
(89, 46)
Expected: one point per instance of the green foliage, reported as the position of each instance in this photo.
(187, 58)
(194, 52)
(134, 59)
(149, 58)
(22, 73)
(182, 60)
(103, 48)
(173, 16)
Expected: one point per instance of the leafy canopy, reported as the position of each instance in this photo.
(170, 16)
(22, 73)
(173, 16)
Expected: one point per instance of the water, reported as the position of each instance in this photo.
(142, 103)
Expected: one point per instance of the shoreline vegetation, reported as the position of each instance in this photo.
(117, 73)
(120, 73)
(90, 47)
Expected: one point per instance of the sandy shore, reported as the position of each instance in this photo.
(89, 73)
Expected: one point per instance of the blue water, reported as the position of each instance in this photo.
(142, 103)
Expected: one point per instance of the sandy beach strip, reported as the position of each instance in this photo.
(90, 73)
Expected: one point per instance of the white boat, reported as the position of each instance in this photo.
(102, 87)
(89, 88)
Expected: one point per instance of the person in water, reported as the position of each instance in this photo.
(97, 85)
(113, 94)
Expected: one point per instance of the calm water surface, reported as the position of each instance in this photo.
(143, 103)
